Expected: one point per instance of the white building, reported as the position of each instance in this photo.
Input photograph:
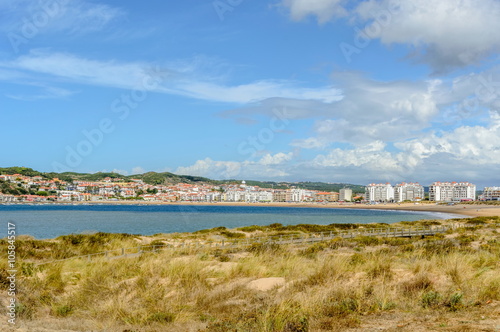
(491, 193)
(298, 195)
(345, 195)
(408, 192)
(379, 192)
(452, 191)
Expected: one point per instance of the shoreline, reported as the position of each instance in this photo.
(466, 210)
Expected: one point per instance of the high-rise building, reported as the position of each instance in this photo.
(379, 192)
(408, 192)
(452, 191)
(345, 195)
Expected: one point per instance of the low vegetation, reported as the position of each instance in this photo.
(447, 282)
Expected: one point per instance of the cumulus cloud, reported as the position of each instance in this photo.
(276, 159)
(268, 167)
(446, 35)
(465, 153)
(368, 110)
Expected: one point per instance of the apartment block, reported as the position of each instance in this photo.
(452, 191)
(379, 192)
(408, 192)
(491, 193)
(345, 195)
(327, 196)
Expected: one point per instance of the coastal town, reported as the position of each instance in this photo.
(40, 189)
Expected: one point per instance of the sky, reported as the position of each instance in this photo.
(283, 90)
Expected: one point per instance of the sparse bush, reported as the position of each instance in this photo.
(161, 317)
(63, 310)
(313, 249)
(455, 301)
(261, 248)
(431, 299)
(367, 240)
(357, 259)
(420, 282)
(251, 229)
(232, 235)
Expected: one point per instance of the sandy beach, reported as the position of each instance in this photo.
(477, 210)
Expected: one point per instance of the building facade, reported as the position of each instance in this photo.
(452, 191)
(408, 192)
(491, 194)
(345, 195)
(379, 192)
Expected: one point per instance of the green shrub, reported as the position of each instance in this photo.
(367, 240)
(232, 235)
(161, 317)
(63, 310)
(251, 229)
(431, 299)
(455, 301)
(313, 249)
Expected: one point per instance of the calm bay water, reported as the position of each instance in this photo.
(49, 221)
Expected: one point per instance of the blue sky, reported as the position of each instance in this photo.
(296, 90)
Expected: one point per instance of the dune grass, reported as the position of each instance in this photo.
(449, 282)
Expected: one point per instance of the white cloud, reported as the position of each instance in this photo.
(138, 170)
(172, 79)
(367, 110)
(213, 169)
(473, 145)
(446, 34)
(371, 155)
(276, 159)
(120, 171)
(268, 167)
(467, 153)
(46, 92)
(73, 16)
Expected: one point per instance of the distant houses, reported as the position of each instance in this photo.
(20, 188)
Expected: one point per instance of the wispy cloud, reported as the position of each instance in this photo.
(44, 92)
(68, 16)
(179, 80)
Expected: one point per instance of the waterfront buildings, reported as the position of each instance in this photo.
(345, 195)
(452, 191)
(491, 194)
(380, 192)
(327, 197)
(20, 188)
(408, 192)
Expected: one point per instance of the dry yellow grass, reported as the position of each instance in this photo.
(442, 283)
